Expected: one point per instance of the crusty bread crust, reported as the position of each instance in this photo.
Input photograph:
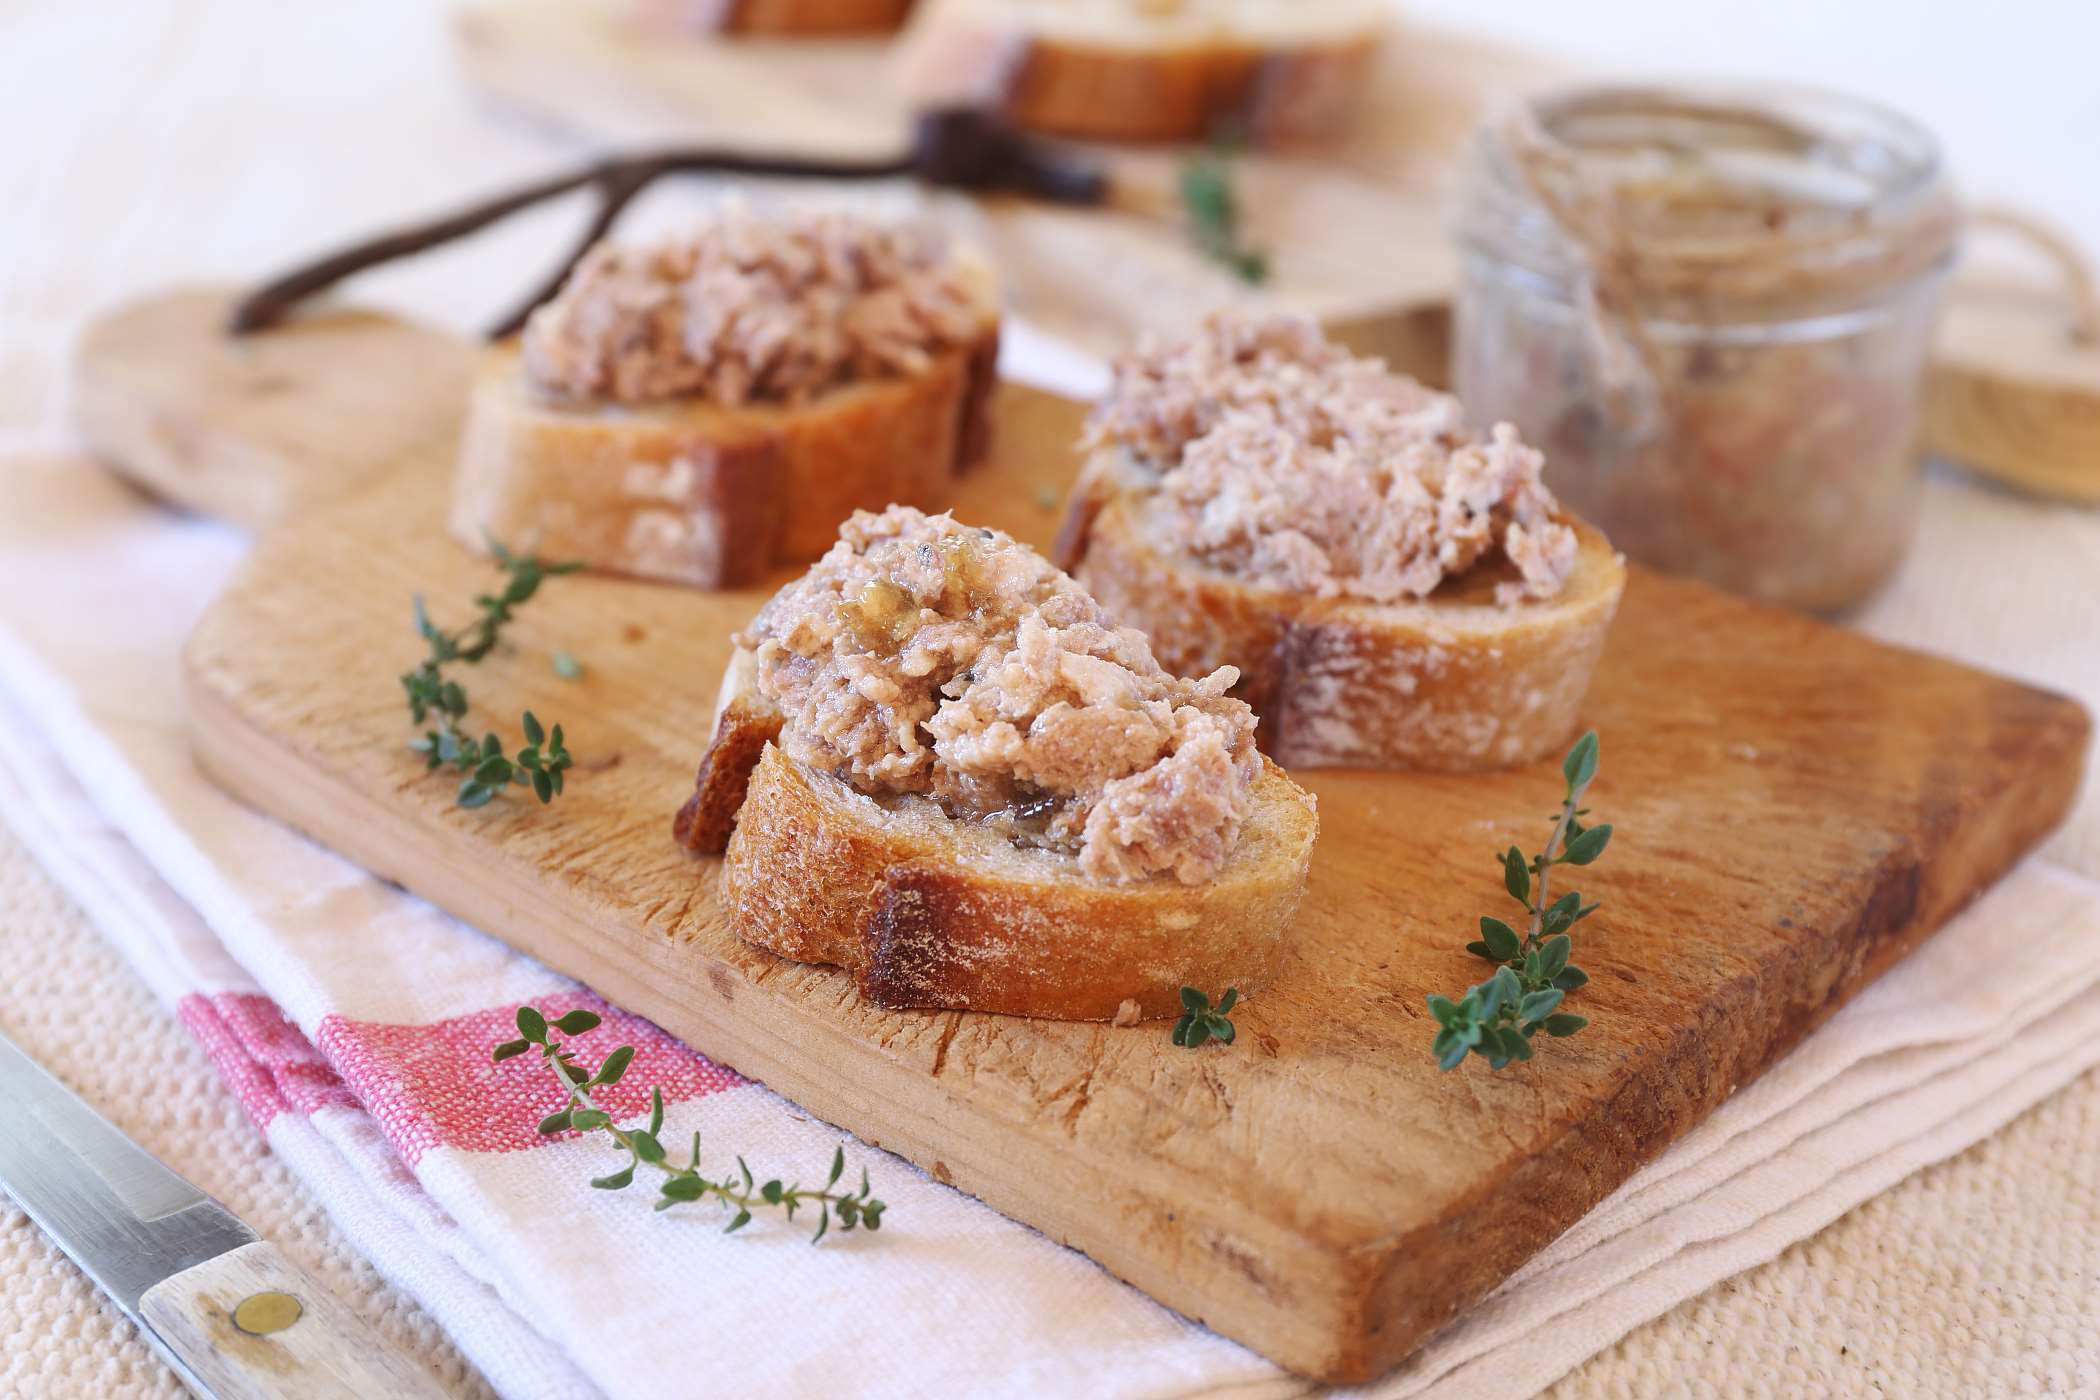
(927, 911)
(780, 18)
(691, 492)
(1106, 94)
(745, 722)
(1122, 88)
(1452, 683)
(805, 17)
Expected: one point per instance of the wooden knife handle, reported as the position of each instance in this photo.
(250, 1325)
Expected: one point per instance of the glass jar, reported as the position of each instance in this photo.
(1710, 307)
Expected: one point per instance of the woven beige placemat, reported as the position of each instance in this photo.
(70, 1001)
(1979, 1276)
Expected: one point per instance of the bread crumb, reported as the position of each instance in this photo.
(1129, 1013)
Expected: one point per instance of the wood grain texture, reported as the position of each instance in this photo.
(224, 426)
(324, 1352)
(1797, 807)
(2012, 394)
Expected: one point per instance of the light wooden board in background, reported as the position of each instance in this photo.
(1796, 807)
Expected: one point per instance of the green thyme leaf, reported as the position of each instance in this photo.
(1497, 1018)
(486, 771)
(1501, 939)
(1449, 1048)
(1553, 955)
(1516, 876)
(1580, 766)
(1202, 1023)
(1586, 848)
(679, 1184)
(1537, 1006)
(1212, 207)
(615, 1065)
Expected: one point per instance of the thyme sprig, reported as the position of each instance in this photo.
(1201, 1022)
(486, 769)
(1496, 1019)
(742, 1193)
(1211, 201)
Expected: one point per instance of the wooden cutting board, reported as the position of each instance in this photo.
(1796, 807)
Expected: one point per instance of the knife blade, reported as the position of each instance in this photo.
(232, 1316)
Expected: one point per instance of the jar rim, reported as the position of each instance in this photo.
(1713, 192)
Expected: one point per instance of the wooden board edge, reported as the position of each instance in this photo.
(1909, 896)
(2034, 436)
(158, 447)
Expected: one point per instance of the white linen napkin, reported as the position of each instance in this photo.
(354, 1021)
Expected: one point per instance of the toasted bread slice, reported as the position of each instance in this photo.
(688, 491)
(782, 18)
(1149, 70)
(929, 911)
(1455, 682)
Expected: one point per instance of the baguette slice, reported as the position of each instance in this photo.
(688, 491)
(784, 18)
(928, 911)
(1454, 682)
(1149, 70)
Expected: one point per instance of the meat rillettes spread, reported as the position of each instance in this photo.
(922, 656)
(754, 308)
(1278, 458)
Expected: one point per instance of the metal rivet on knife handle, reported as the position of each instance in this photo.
(260, 1314)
